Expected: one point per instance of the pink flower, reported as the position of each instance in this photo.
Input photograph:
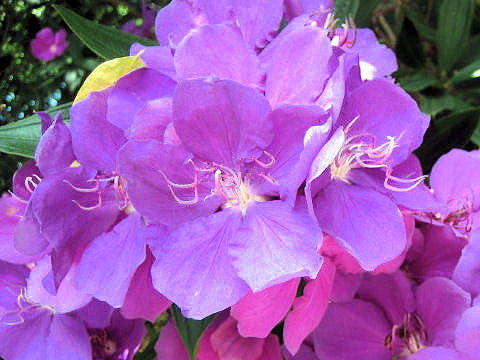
(48, 45)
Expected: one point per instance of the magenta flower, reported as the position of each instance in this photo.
(46, 46)
(388, 319)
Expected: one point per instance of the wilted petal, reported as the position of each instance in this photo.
(258, 313)
(196, 256)
(309, 309)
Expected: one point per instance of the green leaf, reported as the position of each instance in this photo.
(21, 137)
(446, 133)
(469, 72)
(454, 22)
(105, 41)
(190, 330)
(470, 53)
(364, 12)
(417, 82)
(435, 105)
(424, 30)
(343, 8)
(476, 136)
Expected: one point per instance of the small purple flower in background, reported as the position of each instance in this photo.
(47, 45)
(144, 30)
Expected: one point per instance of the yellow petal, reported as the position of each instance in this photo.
(107, 74)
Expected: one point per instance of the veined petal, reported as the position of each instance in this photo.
(68, 339)
(221, 121)
(375, 231)
(196, 256)
(275, 243)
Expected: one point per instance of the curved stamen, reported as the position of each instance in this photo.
(344, 38)
(193, 185)
(351, 43)
(417, 181)
(16, 197)
(89, 208)
(84, 190)
(264, 164)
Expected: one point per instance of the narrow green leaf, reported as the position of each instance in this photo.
(469, 72)
(454, 22)
(424, 30)
(417, 82)
(344, 8)
(21, 137)
(105, 41)
(435, 105)
(470, 53)
(190, 330)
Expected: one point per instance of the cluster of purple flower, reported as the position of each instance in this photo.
(268, 177)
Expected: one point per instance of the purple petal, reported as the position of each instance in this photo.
(28, 169)
(467, 271)
(392, 293)
(352, 331)
(68, 339)
(159, 58)
(299, 69)
(309, 309)
(228, 344)
(221, 121)
(294, 8)
(95, 140)
(258, 313)
(151, 121)
(28, 238)
(275, 243)
(345, 286)
(196, 256)
(41, 45)
(440, 253)
(453, 177)
(141, 164)
(68, 225)
(174, 21)
(299, 133)
(142, 300)
(54, 151)
(384, 109)
(375, 232)
(258, 20)
(26, 340)
(133, 91)
(435, 353)
(219, 51)
(169, 345)
(45, 120)
(376, 60)
(304, 353)
(440, 303)
(467, 333)
(96, 314)
(110, 261)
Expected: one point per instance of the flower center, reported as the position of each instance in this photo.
(409, 335)
(231, 186)
(103, 347)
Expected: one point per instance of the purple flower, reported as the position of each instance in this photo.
(47, 45)
(363, 166)
(215, 190)
(145, 30)
(389, 319)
